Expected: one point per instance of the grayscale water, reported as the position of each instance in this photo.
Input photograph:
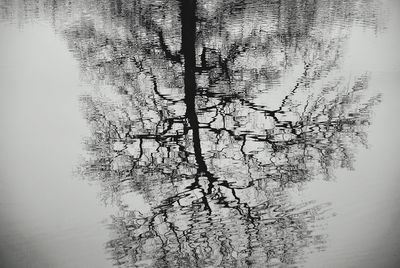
(241, 133)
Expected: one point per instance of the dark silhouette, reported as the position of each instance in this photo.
(212, 111)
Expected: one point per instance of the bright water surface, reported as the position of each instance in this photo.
(209, 134)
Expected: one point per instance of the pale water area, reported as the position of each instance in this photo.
(199, 133)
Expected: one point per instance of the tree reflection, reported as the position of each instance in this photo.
(212, 110)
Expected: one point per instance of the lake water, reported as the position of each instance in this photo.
(199, 133)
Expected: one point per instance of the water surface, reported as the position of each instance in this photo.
(213, 134)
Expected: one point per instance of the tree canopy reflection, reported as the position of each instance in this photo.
(212, 110)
